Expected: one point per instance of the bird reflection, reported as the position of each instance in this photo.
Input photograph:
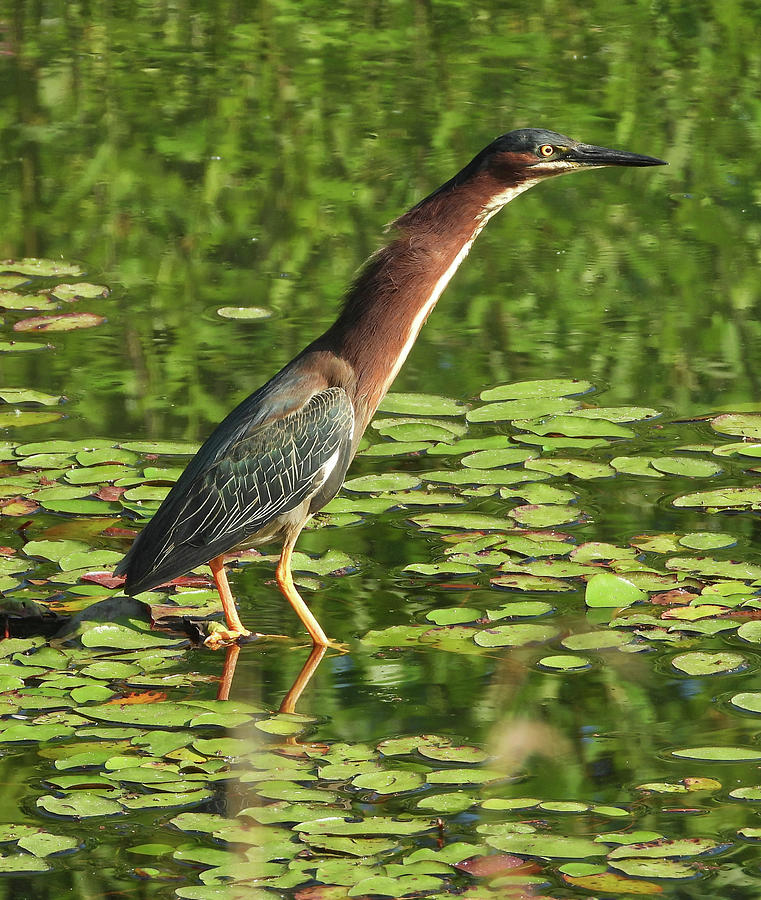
(290, 700)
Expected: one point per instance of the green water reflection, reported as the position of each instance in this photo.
(210, 154)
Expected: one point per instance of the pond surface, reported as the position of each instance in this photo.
(545, 564)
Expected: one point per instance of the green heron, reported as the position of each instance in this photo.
(282, 454)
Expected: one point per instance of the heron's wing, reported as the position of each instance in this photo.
(264, 474)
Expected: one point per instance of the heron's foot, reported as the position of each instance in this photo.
(221, 638)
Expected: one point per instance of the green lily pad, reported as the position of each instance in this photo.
(80, 290)
(685, 465)
(749, 701)
(352, 846)
(22, 346)
(747, 793)
(617, 413)
(39, 267)
(565, 662)
(60, 322)
(516, 581)
(399, 886)
(635, 465)
(493, 459)
(340, 825)
(14, 300)
(158, 715)
(450, 803)
(595, 640)
(510, 410)
(541, 515)
(700, 663)
(515, 635)
(665, 849)
(455, 615)
(80, 805)
(19, 418)
(161, 448)
(21, 862)
(717, 568)
(460, 521)
(577, 426)
(44, 844)
(546, 845)
(592, 551)
(520, 609)
(421, 405)
(391, 481)
(244, 312)
(719, 754)
(580, 468)
(611, 591)
(390, 781)
(707, 540)
(722, 498)
(26, 395)
(471, 445)
(741, 424)
(548, 387)
(397, 448)
(750, 632)
(481, 476)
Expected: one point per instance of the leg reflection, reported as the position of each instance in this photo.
(297, 689)
(302, 679)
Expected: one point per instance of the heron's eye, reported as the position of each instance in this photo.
(546, 150)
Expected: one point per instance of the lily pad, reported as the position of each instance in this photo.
(421, 405)
(548, 387)
(389, 781)
(565, 662)
(746, 425)
(577, 426)
(80, 805)
(39, 267)
(550, 846)
(80, 290)
(27, 395)
(701, 663)
(611, 591)
(510, 410)
(749, 701)
(515, 635)
(243, 312)
(493, 459)
(719, 754)
(707, 540)
(390, 481)
(686, 466)
(722, 498)
(19, 418)
(60, 322)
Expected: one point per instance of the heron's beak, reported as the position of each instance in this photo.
(589, 155)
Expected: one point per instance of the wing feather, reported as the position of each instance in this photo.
(264, 474)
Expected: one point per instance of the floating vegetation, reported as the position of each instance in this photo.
(508, 570)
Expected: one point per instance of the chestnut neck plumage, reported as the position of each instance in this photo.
(399, 285)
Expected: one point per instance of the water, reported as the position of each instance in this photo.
(193, 158)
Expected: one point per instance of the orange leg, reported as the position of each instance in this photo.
(286, 585)
(235, 627)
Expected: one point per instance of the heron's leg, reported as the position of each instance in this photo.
(235, 627)
(286, 585)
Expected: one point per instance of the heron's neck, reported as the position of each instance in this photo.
(400, 285)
